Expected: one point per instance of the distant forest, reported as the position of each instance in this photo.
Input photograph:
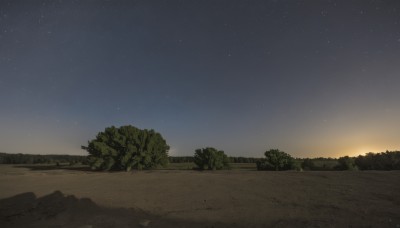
(6, 158)
(185, 159)
(41, 159)
(389, 160)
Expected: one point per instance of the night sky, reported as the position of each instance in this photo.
(312, 78)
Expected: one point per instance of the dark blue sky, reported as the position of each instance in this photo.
(312, 78)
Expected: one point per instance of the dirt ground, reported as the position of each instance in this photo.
(34, 197)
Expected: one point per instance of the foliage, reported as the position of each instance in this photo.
(40, 159)
(185, 159)
(308, 164)
(210, 158)
(276, 160)
(127, 148)
(346, 163)
(318, 164)
(180, 159)
(296, 165)
(243, 160)
(389, 160)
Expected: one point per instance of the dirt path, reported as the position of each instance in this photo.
(198, 199)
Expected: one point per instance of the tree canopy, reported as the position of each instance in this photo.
(210, 158)
(126, 148)
(276, 160)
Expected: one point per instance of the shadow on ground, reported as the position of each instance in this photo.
(59, 210)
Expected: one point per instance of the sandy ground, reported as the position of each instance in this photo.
(168, 198)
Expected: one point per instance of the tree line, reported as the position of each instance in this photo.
(128, 147)
(41, 159)
(389, 160)
(6, 158)
(188, 159)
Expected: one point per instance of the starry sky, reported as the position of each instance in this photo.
(312, 78)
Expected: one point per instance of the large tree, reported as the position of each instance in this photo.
(127, 148)
(210, 158)
(276, 160)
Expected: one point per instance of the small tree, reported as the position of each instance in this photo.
(276, 160)
(308, 164)
(346, 163)
(125, 148)
(210, 158)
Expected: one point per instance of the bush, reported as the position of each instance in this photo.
(211, 159)
(296, 165)
(276, 160)
(346, 163)
(389, 160)
(127, 148)
(308, 164)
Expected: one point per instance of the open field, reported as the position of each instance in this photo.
(191, 165)
(39, 197)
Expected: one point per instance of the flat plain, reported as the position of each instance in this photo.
(36, 196)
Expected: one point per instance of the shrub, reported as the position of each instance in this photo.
(389, 160)
(125, 148)
(346, 163)
(276, 160)
(308, 164)
(296, 165)
(211, 159)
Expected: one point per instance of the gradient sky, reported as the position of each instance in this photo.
(312, 78)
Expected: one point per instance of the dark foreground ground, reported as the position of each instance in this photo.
(183, 198)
